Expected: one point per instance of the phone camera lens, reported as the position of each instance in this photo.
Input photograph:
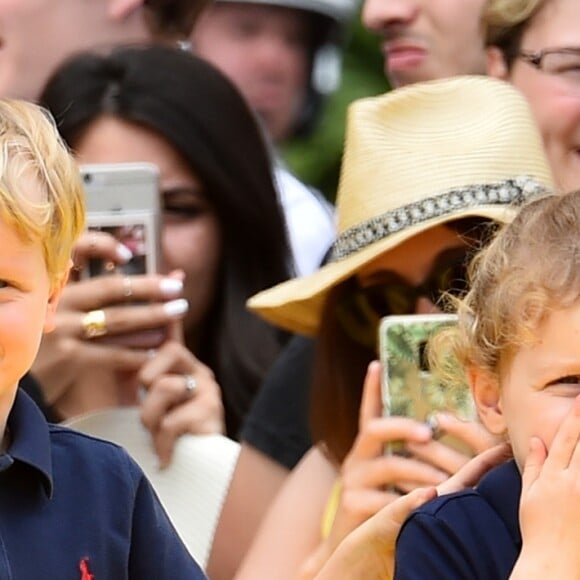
(87, 178)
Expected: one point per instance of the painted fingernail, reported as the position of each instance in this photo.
(424, 431)
(446, 419)
(124, 254)
(176, 308)
(170, 287)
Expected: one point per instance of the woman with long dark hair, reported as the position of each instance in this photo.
(223, 239)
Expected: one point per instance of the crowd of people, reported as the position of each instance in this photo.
(261, 324)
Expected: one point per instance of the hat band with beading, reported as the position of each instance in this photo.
(506, 192)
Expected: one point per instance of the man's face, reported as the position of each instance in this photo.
(37, 35)
(264, 50)
(554, 98)
(427, 39)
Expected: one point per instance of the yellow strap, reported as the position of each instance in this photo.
(331, 509)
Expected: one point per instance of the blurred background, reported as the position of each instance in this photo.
(316, 159)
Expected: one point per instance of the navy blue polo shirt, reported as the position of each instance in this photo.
(74, 507)
(473, 534)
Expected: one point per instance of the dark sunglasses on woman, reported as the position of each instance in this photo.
(360, 308)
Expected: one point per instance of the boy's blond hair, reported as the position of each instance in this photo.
(32, 154)
(530, 268)
(505, 21)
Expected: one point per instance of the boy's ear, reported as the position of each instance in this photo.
(121, 9)
(53, 300)
(486, 394)
(496, 64)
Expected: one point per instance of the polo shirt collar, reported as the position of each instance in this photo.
(30, 439)
(502, 488)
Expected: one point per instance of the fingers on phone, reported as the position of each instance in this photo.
(474, 435)
(119, 359)
(397, 471)
(378, 432)
(93, 244)
(440, 455)
(371, 403)
(101, 291)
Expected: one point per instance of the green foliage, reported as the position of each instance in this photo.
(316, 159)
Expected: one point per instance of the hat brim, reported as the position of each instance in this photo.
(297, 304)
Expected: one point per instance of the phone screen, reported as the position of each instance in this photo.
(409, 388)
(123, 200)
(136, 237)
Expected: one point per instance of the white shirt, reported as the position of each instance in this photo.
(310, 221)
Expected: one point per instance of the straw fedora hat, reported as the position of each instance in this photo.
(414, 158)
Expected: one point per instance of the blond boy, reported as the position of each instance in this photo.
(72, 506)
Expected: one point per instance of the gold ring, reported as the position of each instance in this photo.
(190, 385)
(94, 324)
(127, 287)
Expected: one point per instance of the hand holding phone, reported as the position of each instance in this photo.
(409, 388)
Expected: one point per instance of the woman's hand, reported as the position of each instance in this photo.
(372, 479)
(369, 551)
(182, 396)
(131, 329)
(550, 505)
(472, 437)
(368, 474)
(142, 345)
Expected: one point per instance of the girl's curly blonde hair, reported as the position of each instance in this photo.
(531, 267)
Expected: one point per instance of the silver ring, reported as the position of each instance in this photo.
(190, 385)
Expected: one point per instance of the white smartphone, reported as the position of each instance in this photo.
(409, 389)
(124, 200)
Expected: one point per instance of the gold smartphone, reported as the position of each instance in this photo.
(409, 388)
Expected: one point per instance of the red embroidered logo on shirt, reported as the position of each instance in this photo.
(84, 568)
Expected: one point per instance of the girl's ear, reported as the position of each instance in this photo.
(53, 300)
(486, 394)
(496, 64)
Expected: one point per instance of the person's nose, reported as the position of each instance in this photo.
(274, 54)
(380, 14)
(425, 306)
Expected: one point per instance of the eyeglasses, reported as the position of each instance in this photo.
(360, 308)
(560, 62)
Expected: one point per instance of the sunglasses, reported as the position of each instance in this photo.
(359, 309)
